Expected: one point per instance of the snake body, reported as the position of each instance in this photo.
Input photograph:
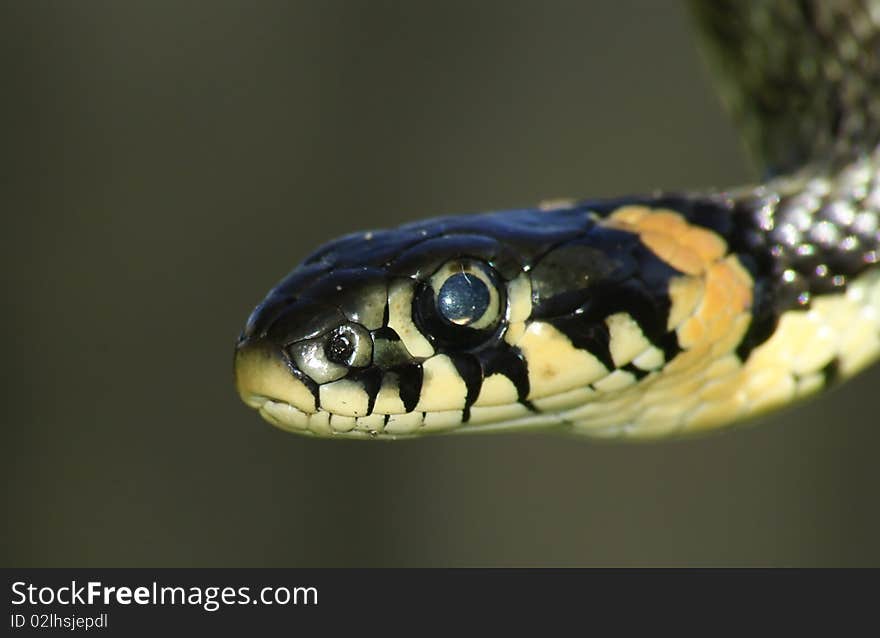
(638, 317)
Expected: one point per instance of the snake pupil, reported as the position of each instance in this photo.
(463, 299)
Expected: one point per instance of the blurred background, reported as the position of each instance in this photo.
(164, 163)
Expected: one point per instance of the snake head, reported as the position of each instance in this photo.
(468, 323)
(363, 334)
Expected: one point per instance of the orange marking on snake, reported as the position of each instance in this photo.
(713, 298)
(687, 248)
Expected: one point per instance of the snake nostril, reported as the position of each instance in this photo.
(340, 348)
(349, 345)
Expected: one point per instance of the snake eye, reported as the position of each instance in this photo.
(467, 294)
(463, 299)
(461, 304)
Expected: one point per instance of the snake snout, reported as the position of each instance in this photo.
(303, 356)
(264, 376)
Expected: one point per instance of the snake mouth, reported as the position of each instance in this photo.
(321, 423)
(266, 382)
(325, 424)
(263, 375)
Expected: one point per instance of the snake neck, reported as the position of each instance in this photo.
(801, 79)
(805, 235)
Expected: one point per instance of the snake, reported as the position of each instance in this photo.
(634, 318)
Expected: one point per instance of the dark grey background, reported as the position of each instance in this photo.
(165, 163)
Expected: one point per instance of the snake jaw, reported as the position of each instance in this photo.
(262, 375)
(267, 382)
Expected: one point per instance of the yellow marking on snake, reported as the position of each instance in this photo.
(400, 297)
(650, 359)
(519, 307)
(627, 341)
(565, 400)
(442, 387)
(555, 365)
(319, 424)
(684, 294)
(260, 374)
(497, 390)
(285, 416)
(388, 400)
(445, 420)
(404, 423)
(496, 413)
(372, 423)
(615, 381)
(344, 397)
(339, 423)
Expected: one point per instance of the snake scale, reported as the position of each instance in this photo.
(636, 318)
